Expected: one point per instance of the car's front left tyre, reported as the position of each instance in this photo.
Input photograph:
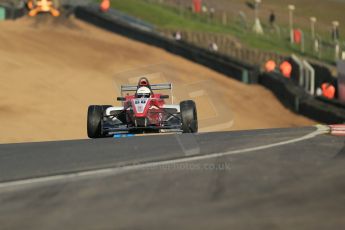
(189, 118)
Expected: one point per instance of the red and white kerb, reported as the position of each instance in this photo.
(338, 130)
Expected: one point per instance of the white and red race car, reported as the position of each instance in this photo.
(143, 112)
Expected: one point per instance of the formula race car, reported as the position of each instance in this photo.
(38, 6)
(143, 112)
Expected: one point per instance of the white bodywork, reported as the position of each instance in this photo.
(108, 110)
(177, 107)
(108, 113)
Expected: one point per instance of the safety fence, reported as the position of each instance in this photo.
(317, 46)
(227, 45)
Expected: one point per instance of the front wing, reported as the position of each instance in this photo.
(111, 125)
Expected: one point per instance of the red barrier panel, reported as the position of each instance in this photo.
(197, 6)
(297, 36)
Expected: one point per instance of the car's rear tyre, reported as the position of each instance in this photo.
(189, 118)
(95, 115)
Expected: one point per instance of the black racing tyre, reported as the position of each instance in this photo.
(189, 118)
(95, 115)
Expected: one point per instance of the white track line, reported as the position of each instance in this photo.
(112, 171)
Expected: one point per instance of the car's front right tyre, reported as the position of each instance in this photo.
(94, 121)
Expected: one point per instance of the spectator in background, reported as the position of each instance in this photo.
(213, 47)
(212, 12)
(178, 36)
(204, 9)
(272, 19)
(318, 92)
(335, 33)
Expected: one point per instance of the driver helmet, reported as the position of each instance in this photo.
(143, 92)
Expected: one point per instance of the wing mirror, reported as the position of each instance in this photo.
(164, 97)
(121, 99)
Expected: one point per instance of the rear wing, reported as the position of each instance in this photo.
(127, 88)
(133, 88)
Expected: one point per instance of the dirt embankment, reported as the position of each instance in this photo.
(52, 70)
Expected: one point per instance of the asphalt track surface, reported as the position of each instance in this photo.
(261, 179)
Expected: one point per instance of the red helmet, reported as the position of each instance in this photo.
(143, 82)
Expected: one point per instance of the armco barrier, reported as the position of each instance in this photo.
(333, 102)
(223, 64)
(284, 90)
(300, 102)
(322, 111)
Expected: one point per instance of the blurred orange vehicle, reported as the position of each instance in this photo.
(38, 6)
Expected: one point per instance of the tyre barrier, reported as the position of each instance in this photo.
(220, 63)
(333, 102)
